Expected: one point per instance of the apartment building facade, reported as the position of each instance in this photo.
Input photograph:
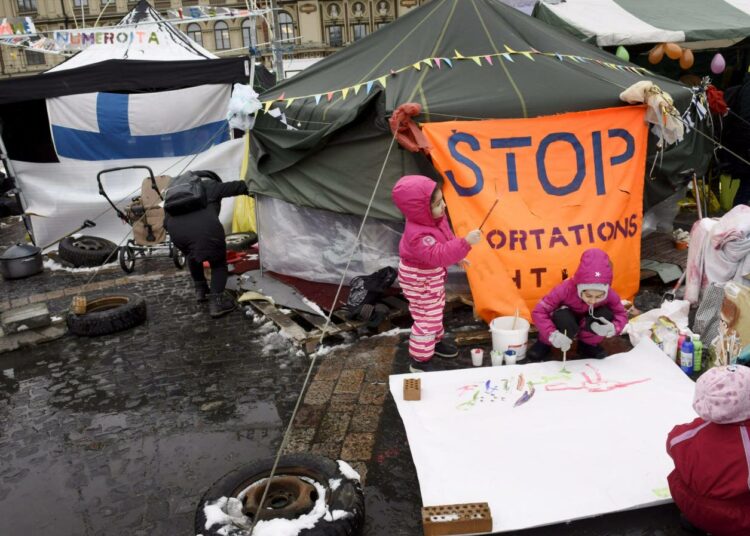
(307, 28)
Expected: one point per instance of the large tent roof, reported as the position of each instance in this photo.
(460, 59)
(172, 45)
(630, 22)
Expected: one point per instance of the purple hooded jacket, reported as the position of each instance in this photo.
(594, 268)
(427, 242)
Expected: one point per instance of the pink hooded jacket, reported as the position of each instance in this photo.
(427, 242)
(594, 268)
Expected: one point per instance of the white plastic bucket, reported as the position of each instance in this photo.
(505, 337)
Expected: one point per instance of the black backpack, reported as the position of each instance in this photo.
(366, 290)
(186, 192)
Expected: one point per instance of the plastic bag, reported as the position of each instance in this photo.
(640, 326)
(243, 218)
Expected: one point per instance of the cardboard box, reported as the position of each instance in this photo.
(735, 311)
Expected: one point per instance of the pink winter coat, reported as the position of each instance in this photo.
(427, 242)
(594, 268)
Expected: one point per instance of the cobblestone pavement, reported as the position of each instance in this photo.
(121, 434)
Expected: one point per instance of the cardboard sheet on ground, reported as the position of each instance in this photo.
(579, 444)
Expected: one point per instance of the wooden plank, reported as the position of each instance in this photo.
(287, 325)
(396, 303)
(464, 338)
(319, 322)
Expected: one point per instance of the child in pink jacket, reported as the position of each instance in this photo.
(584, 306)
(710, 483)
(427, 247)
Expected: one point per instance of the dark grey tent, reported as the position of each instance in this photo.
(333, 157)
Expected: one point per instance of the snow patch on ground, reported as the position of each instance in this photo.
(334, 483)
(348, 471)
(273, 342)
(56, 266)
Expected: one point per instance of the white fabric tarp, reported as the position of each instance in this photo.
(60, 196)
(587, 442)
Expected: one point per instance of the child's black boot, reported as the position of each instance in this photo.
(538, 351)
(446, 348)
(590, 351)
(423, 366)
(201, 291)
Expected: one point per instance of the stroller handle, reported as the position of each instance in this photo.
(110, 170)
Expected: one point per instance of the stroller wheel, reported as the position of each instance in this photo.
(127, 259)
(178, 257)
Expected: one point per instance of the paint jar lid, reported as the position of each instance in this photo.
(510, 352)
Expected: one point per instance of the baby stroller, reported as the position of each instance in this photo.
(145, 215)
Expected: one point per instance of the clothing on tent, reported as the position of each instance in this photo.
(719, 251)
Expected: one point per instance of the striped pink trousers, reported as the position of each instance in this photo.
(425, 290)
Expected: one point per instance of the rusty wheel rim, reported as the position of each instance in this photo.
(288, 497)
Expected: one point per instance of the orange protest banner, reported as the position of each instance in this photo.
(563, 184)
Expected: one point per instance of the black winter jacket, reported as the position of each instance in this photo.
(200, 233)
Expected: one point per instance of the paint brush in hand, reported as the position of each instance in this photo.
(488, 214)
(565, 354)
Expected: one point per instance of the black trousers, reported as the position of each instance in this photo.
(567, 322)
(219, 272)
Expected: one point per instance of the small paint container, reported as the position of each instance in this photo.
(510, 357)
(497, 358)
(477, 357)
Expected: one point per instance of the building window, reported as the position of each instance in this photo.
(335, 36)
(194, 33)
(26, 5)
(34, 58)
(221, 35)
(247, 27)
(359, 31)
(80, 3)
(286, 26)
(379, 25)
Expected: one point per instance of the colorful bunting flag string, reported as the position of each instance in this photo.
(439, 62)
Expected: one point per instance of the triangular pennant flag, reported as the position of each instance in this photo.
(289, 102)
(428, 62)
(449, 62)
(357, 88)
(559, 56)
(267, 106)
(528, 55)
(281, 97)
(458, 55)
(345, 92)
(329, 96)
(437, 62)
(507, 57)
(383, 81)
(489, 59)
(509, 49)
(317, 99)
(477, 60)
(369, 86)
(417, 66)
(574, 59)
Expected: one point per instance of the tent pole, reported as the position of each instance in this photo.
(12, 175)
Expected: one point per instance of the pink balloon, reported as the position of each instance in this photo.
(718, 64)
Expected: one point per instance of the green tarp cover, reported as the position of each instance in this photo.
(460, 59)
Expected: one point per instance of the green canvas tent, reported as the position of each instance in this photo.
(719, 23)
(459, 59)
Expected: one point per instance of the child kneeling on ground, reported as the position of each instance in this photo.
(711, 479)
(584, 306)
(427, 247)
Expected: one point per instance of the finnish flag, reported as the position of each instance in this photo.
(114, 126)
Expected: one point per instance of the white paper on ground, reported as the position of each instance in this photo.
(588, 442)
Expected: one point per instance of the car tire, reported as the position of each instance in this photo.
(87, 250)
(108, 314)
(345, 497)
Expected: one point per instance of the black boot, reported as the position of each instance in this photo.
(201, 291)
(220, 304)
(538, 351)
(446, 348)
(591, 352)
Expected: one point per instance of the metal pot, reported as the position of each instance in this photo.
(21, 260)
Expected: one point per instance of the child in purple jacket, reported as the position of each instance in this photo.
(427, 247)
(584, 306)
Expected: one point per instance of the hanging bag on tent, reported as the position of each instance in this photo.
(186, 192)
(366, 290)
